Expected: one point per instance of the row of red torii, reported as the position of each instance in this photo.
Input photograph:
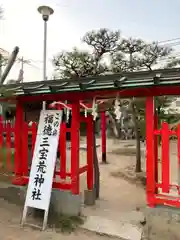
(21, 164)
(158, 183)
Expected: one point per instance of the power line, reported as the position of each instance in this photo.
(174, 44)
(170, 40)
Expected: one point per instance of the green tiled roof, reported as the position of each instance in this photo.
(141, 79)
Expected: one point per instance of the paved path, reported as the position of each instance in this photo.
(10, 228)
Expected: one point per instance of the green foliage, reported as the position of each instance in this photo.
(77, 64)
(127, 58)
(5, 93)
(152, 53)
(162, 105)
(109, 52)
(65, 223)
(173, 62)
(103, 41)
(136, 54)
(3, 154)
(3, 61)
(1, 12)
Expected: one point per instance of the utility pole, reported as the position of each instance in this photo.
(21, 71)
(22, 63)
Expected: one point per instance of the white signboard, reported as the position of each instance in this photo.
(44, 160)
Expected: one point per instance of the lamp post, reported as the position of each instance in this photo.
(45, 11)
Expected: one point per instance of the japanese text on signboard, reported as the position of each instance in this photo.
(51, 125)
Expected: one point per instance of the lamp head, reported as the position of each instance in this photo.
(45, 11)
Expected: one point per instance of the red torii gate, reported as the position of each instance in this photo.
(21, 157)
(21, 153)
(139, 84)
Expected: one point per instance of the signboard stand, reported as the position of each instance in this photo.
(23, 221)
(43, 165)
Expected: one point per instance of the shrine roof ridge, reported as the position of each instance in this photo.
(124, 80)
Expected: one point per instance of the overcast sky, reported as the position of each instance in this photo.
(22, 25)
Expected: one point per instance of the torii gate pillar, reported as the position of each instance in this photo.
(151, 151)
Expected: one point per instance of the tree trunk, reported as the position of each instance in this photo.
(9, 65)
(136, 129)
(96, 169)
(115, 129)
(138, 143)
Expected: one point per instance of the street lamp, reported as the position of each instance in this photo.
(45, 11)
